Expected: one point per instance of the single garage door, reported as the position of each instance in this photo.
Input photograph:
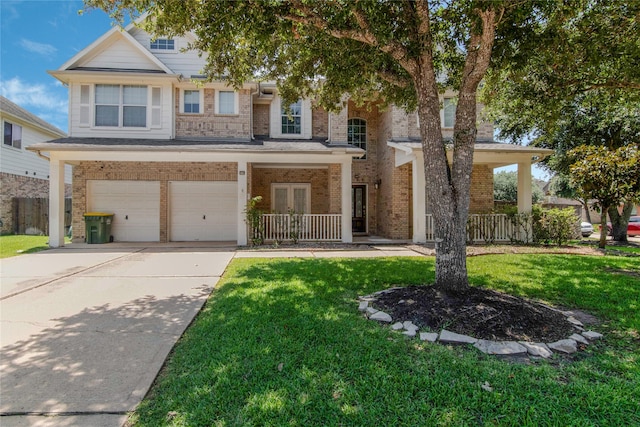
(136, 205)
(203, 211)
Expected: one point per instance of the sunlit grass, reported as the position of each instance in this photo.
(280, 342)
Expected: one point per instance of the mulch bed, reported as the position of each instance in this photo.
(480, 313)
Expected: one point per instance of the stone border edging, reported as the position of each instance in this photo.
(501, 348)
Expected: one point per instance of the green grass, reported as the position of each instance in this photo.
(280, 342)
(12, 245)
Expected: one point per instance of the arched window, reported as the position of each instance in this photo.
(357, 134)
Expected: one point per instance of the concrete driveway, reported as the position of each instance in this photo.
(85, 331)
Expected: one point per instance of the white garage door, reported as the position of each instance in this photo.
(204, 211)
(136, 205)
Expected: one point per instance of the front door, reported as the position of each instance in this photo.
(359, 209)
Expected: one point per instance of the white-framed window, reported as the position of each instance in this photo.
(226, 102)
(357, 134)
(291, 197)
(292, 119)
(448, 112)
(12, 135)
(162, 44)
(121, 105)
(191, 102)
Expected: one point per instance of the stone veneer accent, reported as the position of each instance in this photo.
(209, 124)
(142, 171)
(12, 186)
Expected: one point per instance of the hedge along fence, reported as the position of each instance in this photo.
(31, 215)
(548, 226)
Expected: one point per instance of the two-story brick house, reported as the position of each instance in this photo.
(176, 158)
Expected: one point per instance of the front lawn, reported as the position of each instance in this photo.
(280, 342)
(12, 245)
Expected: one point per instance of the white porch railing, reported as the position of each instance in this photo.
(482, 228)
(305, 227)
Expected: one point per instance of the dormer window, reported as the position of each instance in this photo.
(162, 44)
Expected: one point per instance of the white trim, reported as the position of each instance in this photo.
(200, 99)
(285, 166)
(290, 187)
(216, 102)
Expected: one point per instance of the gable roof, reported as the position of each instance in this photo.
(123, 40)
(20, 113)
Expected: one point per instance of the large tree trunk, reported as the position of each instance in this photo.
(448, 183)
(587, 212)
(620, 222)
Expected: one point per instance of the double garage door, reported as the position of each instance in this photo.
(197, 211)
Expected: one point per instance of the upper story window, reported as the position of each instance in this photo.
(226, 102)
(162, 44)
(192, 101)
(292, 119)
(357, 134)
(12, 135)
(121, 105)
(449, 113)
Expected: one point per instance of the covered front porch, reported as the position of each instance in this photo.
(167, 168)
(483, 226)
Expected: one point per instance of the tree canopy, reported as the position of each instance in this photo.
(505, 187)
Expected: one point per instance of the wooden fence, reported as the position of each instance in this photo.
(31, 215)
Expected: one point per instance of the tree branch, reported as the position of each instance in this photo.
(393, 48)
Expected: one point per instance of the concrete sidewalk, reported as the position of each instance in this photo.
(84, 332)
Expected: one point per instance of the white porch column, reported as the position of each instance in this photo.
(242, 203)
(524, 187)
(56, 202)
(347, 234)
(419, 203)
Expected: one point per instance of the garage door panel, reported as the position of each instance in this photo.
(203, 210)
(136, 205)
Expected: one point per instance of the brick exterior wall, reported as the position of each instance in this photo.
(142, 171)
(262, 178)
(481, 189)
(261, 115)
(319, 122)
(209, 124)
(339, 126)
(12, 186)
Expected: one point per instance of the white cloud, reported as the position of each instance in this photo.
(43, 49)
(46, 101)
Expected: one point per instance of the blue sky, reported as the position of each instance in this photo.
(41, 35)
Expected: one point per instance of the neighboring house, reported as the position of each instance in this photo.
(22, 173)
(176, 158)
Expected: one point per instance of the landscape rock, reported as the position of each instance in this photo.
(381, 316)
(396, 326)
(537, 349)
(428, 336)
(371, 310)
(500, 347)
(453, 338)
(409, 326)
(579, 338)
(574, 321)
(592, 335)
(410, 332)
(567, 346)
(363, 305)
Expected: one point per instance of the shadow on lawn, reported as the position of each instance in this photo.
(280, 342)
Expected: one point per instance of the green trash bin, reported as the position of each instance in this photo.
(98, 227)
